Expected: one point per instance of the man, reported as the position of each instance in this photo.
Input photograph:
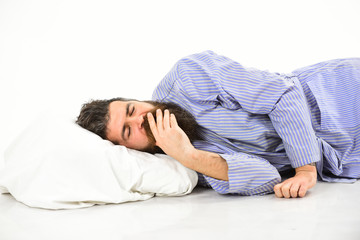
(240, 127)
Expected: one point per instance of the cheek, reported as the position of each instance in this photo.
(140, 137)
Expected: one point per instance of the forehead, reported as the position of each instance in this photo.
(116, 106)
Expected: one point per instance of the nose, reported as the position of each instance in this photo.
(138, 121)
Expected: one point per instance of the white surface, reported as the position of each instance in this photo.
(329, 212)
(58, 54)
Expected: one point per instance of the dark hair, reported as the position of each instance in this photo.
(94, 115)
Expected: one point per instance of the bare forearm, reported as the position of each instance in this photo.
(208, 163)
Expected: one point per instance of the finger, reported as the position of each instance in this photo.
(285, 189)
(302, 191)
(159, 120)
(173, 120)
(166, 119)
(294, 190)
(152, 125)
(277, 190)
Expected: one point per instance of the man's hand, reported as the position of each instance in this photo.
(175, 143)
(169, 136)
(297, 186)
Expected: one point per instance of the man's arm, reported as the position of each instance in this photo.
(238, 173)
(292, 121)
(175, 143)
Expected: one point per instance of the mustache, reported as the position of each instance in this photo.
(146, 126)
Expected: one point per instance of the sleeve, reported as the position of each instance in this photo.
(261, 92)
(292, 121)
(248, 175)
(210, 78)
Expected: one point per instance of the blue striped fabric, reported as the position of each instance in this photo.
(332, 92)
(262, 123)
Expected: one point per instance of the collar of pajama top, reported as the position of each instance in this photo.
(259, 122)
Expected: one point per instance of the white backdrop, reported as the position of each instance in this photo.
(59, 54)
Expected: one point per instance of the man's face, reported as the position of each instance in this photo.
(126, 124)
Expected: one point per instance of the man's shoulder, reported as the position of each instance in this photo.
(198, 56)
(183, 74)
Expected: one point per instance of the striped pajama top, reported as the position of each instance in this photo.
(263, 123)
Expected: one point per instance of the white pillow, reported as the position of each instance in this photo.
(56, 164)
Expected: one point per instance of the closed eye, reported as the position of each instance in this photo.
(126, 133)
(132, 110)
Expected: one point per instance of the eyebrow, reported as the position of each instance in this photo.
(123, 129)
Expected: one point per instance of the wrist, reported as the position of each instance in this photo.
(189, 157)
(308, 168)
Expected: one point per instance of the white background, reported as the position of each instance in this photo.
(59, 54)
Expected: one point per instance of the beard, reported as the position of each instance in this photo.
(184, 118)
